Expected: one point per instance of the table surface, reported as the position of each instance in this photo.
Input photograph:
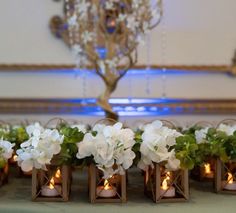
(15, 197)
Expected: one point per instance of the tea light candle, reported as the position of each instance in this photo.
(208, 172)
(106, 190)
(167, 191)
(230, 184)
(51, 190)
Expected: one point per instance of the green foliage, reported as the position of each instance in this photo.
(191, 130)
(15, 135)
(69, 149)
(185, 150)
(136, 147)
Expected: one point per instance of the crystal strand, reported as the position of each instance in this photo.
(163, 54)
(71, 34)
(148, 62)
(130, 86)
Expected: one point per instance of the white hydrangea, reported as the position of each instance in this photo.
(6, 149)
(228, 129)
(201, 134)
(111, 146)
(157, 139)
(39, 150)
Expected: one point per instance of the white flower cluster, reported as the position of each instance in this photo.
(201, 134)
(6, 149)
(38, 151)
(228, 129)
(156, 143)
(111, 148)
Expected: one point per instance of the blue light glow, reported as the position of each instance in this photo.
(125, 107)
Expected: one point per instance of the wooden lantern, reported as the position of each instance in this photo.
(4, 174)
(225, 178)
(51, 185)
(205, 172)
(112, 190)
(163, 186)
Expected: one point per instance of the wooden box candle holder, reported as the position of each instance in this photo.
(112, 190)
(51, 185)
(225, 178)
(4, 174)
(205, 172)
(163, 186)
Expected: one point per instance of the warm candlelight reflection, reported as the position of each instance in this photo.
(208, 171)
(164, 184)
(58, 173)
(167, 191)
(14, 158)
(51, 184)
(230, 184)
(207, 168)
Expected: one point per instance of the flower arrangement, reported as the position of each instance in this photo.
(40, 148)
(214, 142)
(166, 146)
(110, 147)
(6, 150)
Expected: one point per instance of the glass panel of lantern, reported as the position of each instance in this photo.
(166, 186)
(205, 172)
(225, 178)
(111, 190)
(51, 185)
(4, 174)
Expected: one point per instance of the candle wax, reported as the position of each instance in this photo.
(51, 192)
(170, 192)
(110, 192)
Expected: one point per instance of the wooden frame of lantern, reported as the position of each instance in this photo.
(205, 172)
(225, 178)
(177, 189)
(4, 172)
(117, 187)
(50, 186)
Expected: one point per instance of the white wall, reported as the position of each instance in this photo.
(67, 85)
(197, 32)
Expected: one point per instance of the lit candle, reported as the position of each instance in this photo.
(57, 177)
(230, 184)
(51, 190)
(106, 190)
(167, 191)
(14, 158)
(208, 172)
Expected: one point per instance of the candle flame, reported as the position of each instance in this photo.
(207, 168)
(106, 185)
(164, 184)
(58, 173)
(51, 184)
(14, 157)
(230, 178)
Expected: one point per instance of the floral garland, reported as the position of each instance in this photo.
(110, 148)
(157, 146)
(39, 150)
